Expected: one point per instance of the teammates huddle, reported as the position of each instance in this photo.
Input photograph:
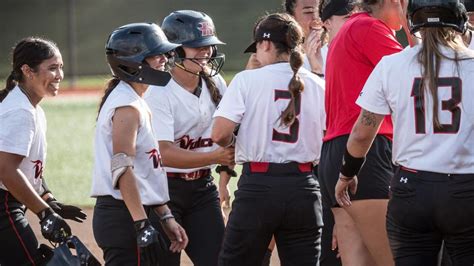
(167, 118)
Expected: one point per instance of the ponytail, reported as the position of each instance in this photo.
(11, 82)
(296, 86)
(212, 87)
(111, 84)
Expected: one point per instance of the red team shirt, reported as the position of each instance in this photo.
(353, 54)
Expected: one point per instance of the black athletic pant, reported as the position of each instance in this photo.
(114, 231)
(426, 208)
(284, 202)
(19, 245)
(196, 207)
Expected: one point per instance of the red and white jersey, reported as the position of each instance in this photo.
(395, 87)
(23, 132)
(150, 175)
(183, 118)
(255, 100)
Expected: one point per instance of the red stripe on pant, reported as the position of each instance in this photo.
(16, 231)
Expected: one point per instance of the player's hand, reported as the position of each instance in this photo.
(224, 194)
(67, 211)
(334, 241)
(176, 234)
(225, 156)
(253, 62)
(53, 226)
(312, 48)
(149, 241)
(343, 186)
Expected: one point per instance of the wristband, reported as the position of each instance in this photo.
(232, 142)
(166, 217)
(225, 168)
(351, 165)
(321, 75)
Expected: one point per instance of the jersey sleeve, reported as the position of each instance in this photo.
(161, 114)
(221, 84)
(18, 130)
(232, 105)
(379, 42)
(373, 97)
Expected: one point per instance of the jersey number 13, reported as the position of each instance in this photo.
(450, 105)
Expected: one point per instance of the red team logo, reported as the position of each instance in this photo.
(156, 157)
(188, 143)
(38, 168)
(206, 28)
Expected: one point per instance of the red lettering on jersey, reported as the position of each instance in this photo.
(187, 143)
(38, 168)
(206, 28)
(156, 158)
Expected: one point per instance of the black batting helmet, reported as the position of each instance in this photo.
(469, 5)
(193, 29)
(436, 13)
(129, 45)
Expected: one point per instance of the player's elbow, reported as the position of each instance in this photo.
(218, 137)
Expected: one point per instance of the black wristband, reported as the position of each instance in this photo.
(140, 224)
(351, 165)
(45, 188)
(321, 75)
(225, 168)
(45, 213)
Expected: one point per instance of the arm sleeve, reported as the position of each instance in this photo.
(18, 129)
(372, 98)
(161, 114)
(379, 42)
(232, 105)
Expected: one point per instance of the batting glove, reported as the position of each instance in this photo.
(53, 226)
(149, 241)
(67, 211)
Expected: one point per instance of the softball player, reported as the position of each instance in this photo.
(469, 5)
(182, 116)
(129, 181)
(280, 111)
(37, 72)
(360, 44)
(433, 115)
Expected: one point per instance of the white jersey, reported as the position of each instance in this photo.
(23, 132)
(183, 118)
(150, 175)
(471, 44)
(394, 87)
(256, 98)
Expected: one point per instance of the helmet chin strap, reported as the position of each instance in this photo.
(181, 66)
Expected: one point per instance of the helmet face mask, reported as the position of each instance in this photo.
(129, 46)
(194, 30)
(436, 13)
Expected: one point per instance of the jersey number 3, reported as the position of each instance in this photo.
(292, 136)
(450, 105)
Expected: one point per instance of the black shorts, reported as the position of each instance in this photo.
(374, 176)
(426, 208)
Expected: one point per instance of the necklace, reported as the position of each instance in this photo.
(26, 93)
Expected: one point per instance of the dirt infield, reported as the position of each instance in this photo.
(84, 232)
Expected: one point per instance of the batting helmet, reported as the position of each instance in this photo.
(469, 5)
(193, 29)
(436, 13)
(127, 48)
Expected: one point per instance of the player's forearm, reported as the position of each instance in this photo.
(363, 133)
(176, 157)
(131, 196)
(18, 185)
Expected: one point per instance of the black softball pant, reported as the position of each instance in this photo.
(19, 243)
(283, 202)
(114, 232)
(196, 207)
(426, 208)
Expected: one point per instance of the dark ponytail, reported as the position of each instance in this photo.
(296, 86)
(212, 87)
(109, 87)
(31, 51)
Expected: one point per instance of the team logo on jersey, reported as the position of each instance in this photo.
(187, 143)
(155, 157)
(206, 28)
(38, 165)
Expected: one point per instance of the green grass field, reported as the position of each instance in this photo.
(70, 136)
